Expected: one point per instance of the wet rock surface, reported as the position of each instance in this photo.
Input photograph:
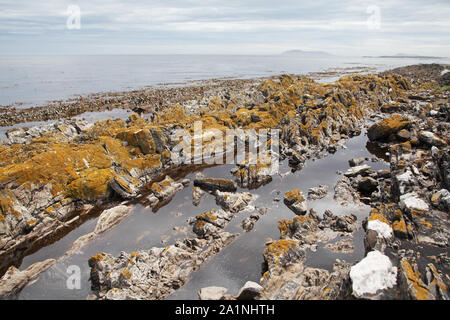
(53, 175)
(151, 274)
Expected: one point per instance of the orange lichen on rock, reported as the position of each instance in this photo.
(388, 126)
(416, 287)
(294, 195)
(277, 249)
(126, 273)
(377, 214)
(95, 259)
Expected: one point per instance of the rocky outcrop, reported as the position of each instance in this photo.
(344, 193)
(317, 193)
(166, 189)
(211, 293)
(154, 273)
(253, 175)
(213, 184)
(339, 223)
(107, 220)
(197, 195)
(116, 159)
(295, 201)
(14, 280)
(432, 288)
(233, 202)
(297, 282)
(387, 127)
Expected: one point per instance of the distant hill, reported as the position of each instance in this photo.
(406, 56)
(306, 53)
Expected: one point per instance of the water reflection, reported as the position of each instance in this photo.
(240, 261)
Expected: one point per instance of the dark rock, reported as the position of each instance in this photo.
(213, 184)
(367, 185)
(356, 161)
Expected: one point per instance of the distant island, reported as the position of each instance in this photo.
(306, 53)
(406, 56)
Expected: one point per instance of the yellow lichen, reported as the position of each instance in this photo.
(125, 273)
(419, 290)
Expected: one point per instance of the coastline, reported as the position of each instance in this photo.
(277, 95)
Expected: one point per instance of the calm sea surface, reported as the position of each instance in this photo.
(34, 80)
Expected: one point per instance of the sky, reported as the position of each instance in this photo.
(224, 27)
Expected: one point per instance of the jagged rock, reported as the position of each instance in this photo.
(441, 199)
(125, 187)
(213, 184)
(166, 189)
(111, 217)
(152, 200)
(411, 283)
(316, 193)
(233, 202)
(250, 291)
(373, 276)
(253, 175)
(344, 193)
(154, 273)
(342, 246)
(443, 161)
(211, 293)
(404, 182)
(387, 127)
(436, 284)
(282, 252)
(255, 118)
(411, 201)
(384, 174)
(14, 280)
(107, 220)
(401, 229)
(358, 170)
(248, 223)
(295, 201)
(297, 282)
(341, 223)
(211, 222)
(431, 139)
(367, 185)
(197, 195)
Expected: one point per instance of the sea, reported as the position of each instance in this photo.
(35, 80)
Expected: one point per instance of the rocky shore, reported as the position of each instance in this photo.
(53, 176)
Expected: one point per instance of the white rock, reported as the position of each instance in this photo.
(14, 280)
(382, 228)
(354, 171)
(405, 179)
(430, 138)
(249, 291)
(411, 201)
(372, 275)
(211, 293)
(111, 217)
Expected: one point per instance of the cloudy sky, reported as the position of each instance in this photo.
(225, 27)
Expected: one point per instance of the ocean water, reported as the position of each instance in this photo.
(35, 80)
